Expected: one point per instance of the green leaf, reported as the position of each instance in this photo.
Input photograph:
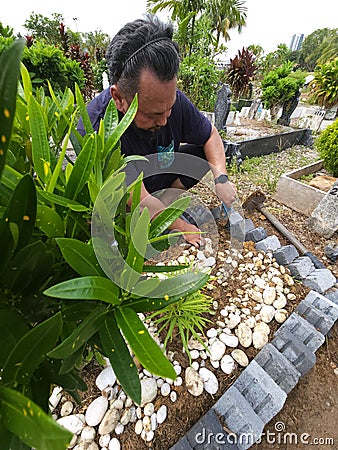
(80, 256)
(9, 75)
(19, 218)
(62, 201)
(31, 350)
(122, 126)
(12, 327)
(86, 288)
(83, 111)
(88, 327)
(119, 356)
(170, 291)
(82, 168)
(142, 344)
(40, 145)
(30, 423)
(168, 216)
(49, 221)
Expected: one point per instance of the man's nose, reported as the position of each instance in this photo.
(161, 120)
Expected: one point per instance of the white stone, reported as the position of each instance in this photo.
(262, 327)
(55, 397)
(119, 429)
(153, 421)
(259, 339)
(96, 410)
(161, 414)
(106, 378)
(212, 332)
(234, 320)
(66, 408)
(281, 315)
(267, 313)
(227, 364)
(269, 295)
(139, 426)
(244, 334)
(195, 354)
(240, 357)
(146, 423)
(217, 350)
(148, 390)
(109, 421)
(178, 369)
(214, 364)
(125, 417)
(165, 389)
(114, 444)
(88, 433)
(289, 280)
(256, 295)
(87, 445)
(194, 344)
(72, 423)
(259, 282)
(280, 303)
(209, 379)
(209, 262)
(104, 440)
(117, 404)
(73, 441)
(178, 381)
(229, 340)
(173, 396)
(193, 381)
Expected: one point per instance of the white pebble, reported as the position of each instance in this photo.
(161, 414)
(114, 444)
(165, 389)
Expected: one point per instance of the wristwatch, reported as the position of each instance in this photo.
(223, 178)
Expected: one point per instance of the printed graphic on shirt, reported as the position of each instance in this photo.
(166, 155)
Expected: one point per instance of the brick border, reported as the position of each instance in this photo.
(259, 393)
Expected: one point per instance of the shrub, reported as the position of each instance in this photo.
(325, 84)
(241, 72)
(327, 146)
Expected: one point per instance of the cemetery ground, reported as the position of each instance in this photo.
(311, 407)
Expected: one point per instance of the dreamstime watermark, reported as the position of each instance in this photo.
(278, 436)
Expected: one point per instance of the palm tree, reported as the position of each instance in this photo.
(225, 15)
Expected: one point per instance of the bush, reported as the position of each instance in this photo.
(327, 146)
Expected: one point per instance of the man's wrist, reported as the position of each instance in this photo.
(221, 179)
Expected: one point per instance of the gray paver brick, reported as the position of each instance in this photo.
(303, 330)
(322, 303)
(208, 434)
(270, 243)
(301, 267)
(286, 254)
(240, 229)
(294, 350)
(256, 235)
(320, 280)
(280, 369)
(319, 319)
(262, 393)
(239, 417)
(332, 295)
(182, 444)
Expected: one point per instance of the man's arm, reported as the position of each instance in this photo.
(215, 154)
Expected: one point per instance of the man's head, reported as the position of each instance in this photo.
(143, 59)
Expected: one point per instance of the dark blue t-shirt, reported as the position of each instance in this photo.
(186, 125)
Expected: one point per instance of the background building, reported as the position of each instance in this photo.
(296, 41)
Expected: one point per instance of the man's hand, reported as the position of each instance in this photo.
(226, 192)
(194, 239)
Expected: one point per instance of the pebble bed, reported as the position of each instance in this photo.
(263, 294)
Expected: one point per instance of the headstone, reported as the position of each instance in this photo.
(222, 106)
(105, 81)
(324, 218)
(254, 107)
(288, 108)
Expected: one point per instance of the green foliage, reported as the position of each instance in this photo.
(279, 86)
(57, 302)
(45, 29)
(187, 316)
(48, 63)
(327, 146)
(273, 60)
(317, 48)
(198, 79)
(241, 72)
(325, 84)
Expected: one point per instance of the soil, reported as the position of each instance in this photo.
(311, 407)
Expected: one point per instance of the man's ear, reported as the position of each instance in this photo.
(118, 97)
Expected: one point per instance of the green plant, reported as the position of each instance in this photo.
(325, 84)
(279, 86)
(58, 299)
(240, 73)
(187, 316)
(327, 146)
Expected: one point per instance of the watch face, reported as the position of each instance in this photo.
(222, 179)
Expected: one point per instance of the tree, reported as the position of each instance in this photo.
(315, 46)
(325, 84)
(226, 15)
(44, 28)
(241, 72)
(279, 86)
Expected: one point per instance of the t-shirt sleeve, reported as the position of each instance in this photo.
(195, 127)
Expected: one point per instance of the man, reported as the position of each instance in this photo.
(143, 59)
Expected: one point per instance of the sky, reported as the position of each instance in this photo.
(269, 23)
